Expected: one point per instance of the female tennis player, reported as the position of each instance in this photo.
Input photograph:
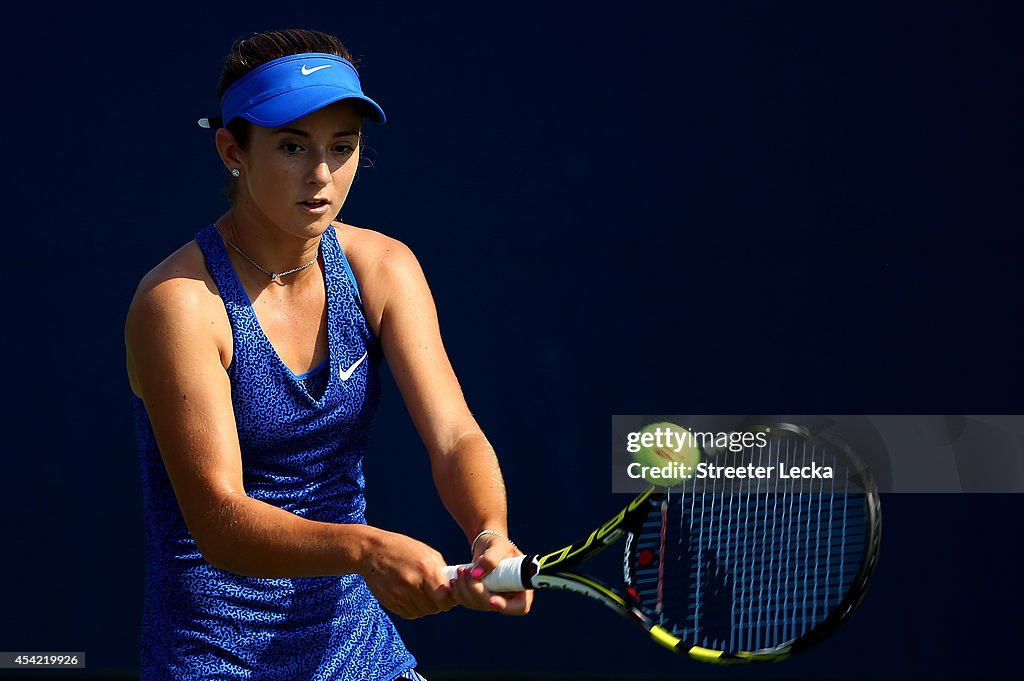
(253, 354)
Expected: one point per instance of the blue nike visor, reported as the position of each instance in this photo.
(286, 89)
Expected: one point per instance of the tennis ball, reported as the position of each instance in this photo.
(669, 448)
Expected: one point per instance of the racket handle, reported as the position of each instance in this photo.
(502, 579)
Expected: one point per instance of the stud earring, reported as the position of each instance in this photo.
(235, 172)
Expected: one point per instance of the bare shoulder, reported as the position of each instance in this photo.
(369, 250)
(387, 270)
(179, 284)
(176, 308)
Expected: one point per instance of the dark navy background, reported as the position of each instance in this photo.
(719, 207)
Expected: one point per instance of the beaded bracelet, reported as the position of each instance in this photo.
(472, 547)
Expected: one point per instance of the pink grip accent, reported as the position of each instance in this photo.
(503, 579)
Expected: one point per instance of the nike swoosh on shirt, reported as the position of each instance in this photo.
(347, 373)
(306, 71)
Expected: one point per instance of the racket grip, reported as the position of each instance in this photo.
(502, 579)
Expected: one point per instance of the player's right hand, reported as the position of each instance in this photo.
(406, 576)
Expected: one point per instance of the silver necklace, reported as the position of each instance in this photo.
(273, 275)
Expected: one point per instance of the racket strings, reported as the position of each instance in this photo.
(757, 567)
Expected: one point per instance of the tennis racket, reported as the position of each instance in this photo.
(728, 570)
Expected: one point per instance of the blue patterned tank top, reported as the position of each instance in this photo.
(302, 443)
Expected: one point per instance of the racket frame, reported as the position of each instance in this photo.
(554, 570)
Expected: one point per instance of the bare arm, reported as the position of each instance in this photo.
(175, 338)
(465, 468)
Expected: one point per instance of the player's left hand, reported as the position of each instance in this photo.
(468, 589)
